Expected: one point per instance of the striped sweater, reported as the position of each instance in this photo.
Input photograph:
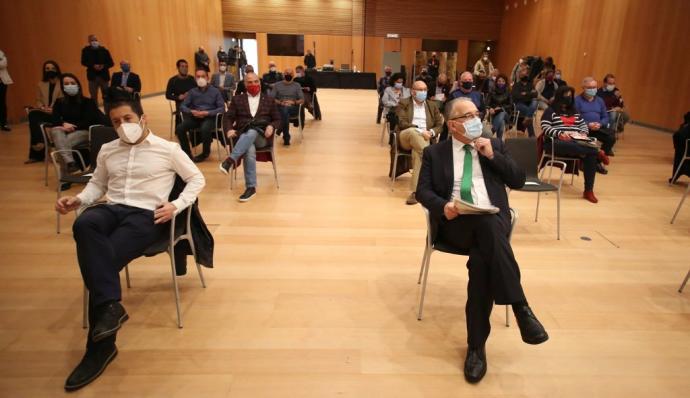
(553, 124)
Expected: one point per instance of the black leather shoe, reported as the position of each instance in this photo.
(475, 364)
(200, 158)
(110, 318)
(601, 169)
(531, 329)
(91, 366)
(248, 194)
(228, 164)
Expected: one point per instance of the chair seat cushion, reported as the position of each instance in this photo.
(534, 185)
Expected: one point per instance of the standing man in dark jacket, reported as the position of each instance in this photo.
(97, 61)
(310, 60)
(179, 85)
(201, 60)
(477, 170)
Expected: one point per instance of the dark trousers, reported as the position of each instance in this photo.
(3, 104)
(606, 136)
(494, 275)
(36, 144)
(311, 103)
(205, 127)
(286, 112)
(575, 150)
(109, 237)
(98, 83)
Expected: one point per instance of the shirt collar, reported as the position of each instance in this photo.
(459, 144)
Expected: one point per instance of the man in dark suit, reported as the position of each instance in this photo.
(126, 81)
(97, 61)
(253, 117)
(477, 170)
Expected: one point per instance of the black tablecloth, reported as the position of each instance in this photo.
(362, 80)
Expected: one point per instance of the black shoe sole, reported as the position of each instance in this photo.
(247, 198)
(98, 337)
(70, 388)
(222, 169)
(475, 380)
(537, 340)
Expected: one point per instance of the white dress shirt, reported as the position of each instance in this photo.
(221, 80)
(143, 175)
(480, 196)
(253, 103)
(419, 115)
(125, 76)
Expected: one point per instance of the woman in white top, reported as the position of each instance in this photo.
(392, 96)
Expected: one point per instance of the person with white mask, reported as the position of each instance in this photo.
(199, 109)
(135, 174)
(477, 171)
(224, 81)
(97, 61)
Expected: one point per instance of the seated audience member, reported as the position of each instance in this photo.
(201, 60)
(546, 89)
(48, 92)
(419, 120)
(477, 170)
(442, 88)
(614, 102)
(73, 114)
(593, 110)
(253, 117)
(110, 235)
(272, 77)
(425, 77)
(482, 69)
(562, 123)
(679, 139)
(125, 81)
(524, 97)
(490, 83)
(240, 85)
(384, 82)
(311, 102)
(558, 79)
(200, 108)
(223, 81)
(500, 105)
(179, 85)
(548, 64)
(519, 66)
(466, 89)
(392, 96)
(288, 95)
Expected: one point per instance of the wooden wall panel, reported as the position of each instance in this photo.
(642, 42)
(151, 34)
(325, 17)
(435, 19)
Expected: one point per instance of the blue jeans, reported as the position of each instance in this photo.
(499, 124)
(246, 145)
(528, 111)
(286, 112)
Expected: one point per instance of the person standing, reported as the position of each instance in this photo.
(432, 66)
(201, 60)
(310, 60)
(5, 80)
(98, 62)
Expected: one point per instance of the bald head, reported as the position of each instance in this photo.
(462, 106)
(462, 110)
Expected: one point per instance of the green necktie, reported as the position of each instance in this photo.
(466, 184)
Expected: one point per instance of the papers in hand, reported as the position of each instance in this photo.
(466, 208)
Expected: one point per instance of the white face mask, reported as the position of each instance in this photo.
(71, 89)
(272, 69)
(201, 82)
(223, 68)
(95, 44)
(130, 132)
(473, 128)
(610, 87)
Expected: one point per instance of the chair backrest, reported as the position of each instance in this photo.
(99, 135)
(524, 152)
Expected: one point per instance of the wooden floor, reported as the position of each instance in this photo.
(314, 292)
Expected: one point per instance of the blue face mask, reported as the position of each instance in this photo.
(398, 85)
(473, 128)
(591, 92)
(420, 95)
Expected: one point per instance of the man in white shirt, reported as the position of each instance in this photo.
(477, 170)
(135, 175)
(419, 120)
(252, 118)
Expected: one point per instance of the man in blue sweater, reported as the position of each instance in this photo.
(593, 110)
(200, 107)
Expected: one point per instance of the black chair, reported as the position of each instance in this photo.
(300, 122)
(165, 244)
(524, 152)
(441, 246)
(397, 152)
(98, 135)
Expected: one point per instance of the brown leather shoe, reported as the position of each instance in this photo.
(589, 195)
(411, 200)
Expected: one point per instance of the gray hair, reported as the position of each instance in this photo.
(587, 80)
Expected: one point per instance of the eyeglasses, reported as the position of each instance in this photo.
(467, 116)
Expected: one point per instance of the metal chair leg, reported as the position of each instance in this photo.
(675, 175)
(426, 275)
(198, 266)
(536, 215)
(275, 172)
(171, 252)
(507, 316)
(421, 269)
(558, 214)
(680, 204)
(395, 168)
(682, 285)
(129, 285)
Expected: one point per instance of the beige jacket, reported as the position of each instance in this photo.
(4, 75)
(43, 93)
